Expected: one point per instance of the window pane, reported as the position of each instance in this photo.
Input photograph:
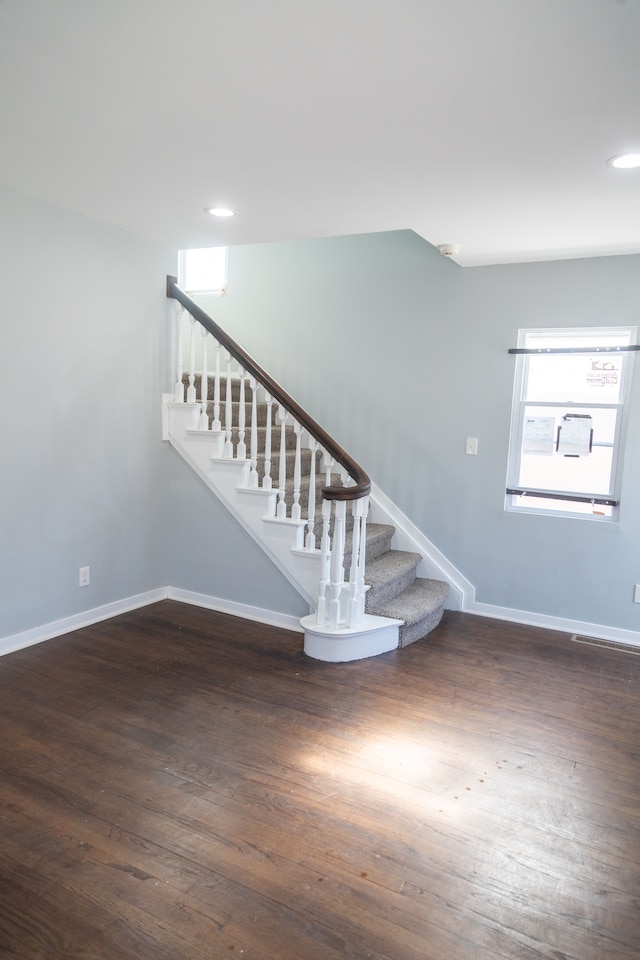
(203, 270)
(549, 469)
(577, 378)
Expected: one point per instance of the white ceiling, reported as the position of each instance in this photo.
(485, 123)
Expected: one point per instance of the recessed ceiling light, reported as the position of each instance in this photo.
(220, 212)
(625, 161)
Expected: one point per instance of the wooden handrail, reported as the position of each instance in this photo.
(362, 483)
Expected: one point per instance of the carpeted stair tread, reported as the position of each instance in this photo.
(389, 575)
(420, 605)
(420, 598)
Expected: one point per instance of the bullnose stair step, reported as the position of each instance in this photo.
(420, 605)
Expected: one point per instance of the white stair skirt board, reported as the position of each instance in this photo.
(434, 564)
(375, 635)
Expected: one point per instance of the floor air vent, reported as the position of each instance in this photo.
(607, 644)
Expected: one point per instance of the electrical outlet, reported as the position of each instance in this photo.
(471, 446)
(84, 576)
(636, 593)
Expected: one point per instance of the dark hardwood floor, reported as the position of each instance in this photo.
(182, 785)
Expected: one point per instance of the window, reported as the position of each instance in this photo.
(203, 270)
(567, 424)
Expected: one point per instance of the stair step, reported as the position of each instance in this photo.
(261, 415)
(388, 575)
(378, 539)
(420, 605)
(235, 386)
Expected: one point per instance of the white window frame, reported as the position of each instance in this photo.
(558, 502)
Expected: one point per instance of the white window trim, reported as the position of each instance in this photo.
(596, 336)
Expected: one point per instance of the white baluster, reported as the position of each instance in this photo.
(296, 509)
(253, 472)
(337, 563)
(178, 393)
(310, 539)
(267, 482)
(204, 383)
(325, 562)
(356, 572)
(281, 510)
(216, 425)
(228, 414)
(191, 389)
(327, 463)
(241, 449)
(362, 560)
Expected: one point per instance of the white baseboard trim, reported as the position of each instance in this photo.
(18, 641)
(597, 631)
(235, 609)
(27, 638)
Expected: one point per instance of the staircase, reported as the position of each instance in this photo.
(269, 470)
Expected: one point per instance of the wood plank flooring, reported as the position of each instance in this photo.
(178, 784)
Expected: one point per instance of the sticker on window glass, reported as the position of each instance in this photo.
(603, 373)
(538, 436)
(574, 435)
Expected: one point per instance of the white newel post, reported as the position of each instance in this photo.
(178, 393)
(325, 562)
(356, 573)
(353, 569)
(337, 564)
(362, 559)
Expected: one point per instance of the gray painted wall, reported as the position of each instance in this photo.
(83, 467)
(211, 553)
(401, 354)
